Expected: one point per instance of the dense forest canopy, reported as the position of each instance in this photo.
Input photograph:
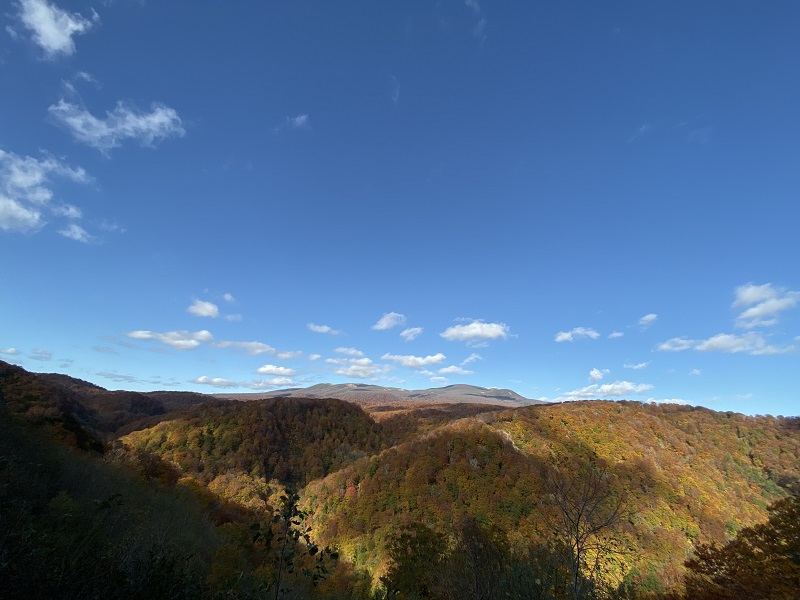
(185, 495)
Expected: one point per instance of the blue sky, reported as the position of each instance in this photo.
(568, 199)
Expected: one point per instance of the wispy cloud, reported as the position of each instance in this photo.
(26, 192)
(9, 351)
(415, 362)
(75, 232)
(121, 124)
(52, 28)
(349, 351)
(471, 359)
(762, 304)
(251, 348)
(479, 31)
(750, 343)
(40, 354)
(389, 320)
(323, 329)
(647, 320)
(179, 340)
(215, 382)
(576, 333)
(636, 366)
(614, 335)
(411, 333)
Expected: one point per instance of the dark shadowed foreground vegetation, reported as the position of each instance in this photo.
(174, 495)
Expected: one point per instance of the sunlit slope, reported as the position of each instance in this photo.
(686, 475)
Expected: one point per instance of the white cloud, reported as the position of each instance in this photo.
(9, 351)
(596, 375)
(251, 348)
(437, 379)
(314, 356)
(287, 354)
(40, 354)
(411, 333)
(75, 232)
(606, 390)
(389, 320)
(228, 298)
(648, 320)
(201, 308)
(275, 370)
(636, 366)
(676, 344)
(265, 384)
(476, 332)
(122, 123)
(298, 122)
(53, 28)
(26, 191)
(360, 368)
(455, 370)
(471, 358)
(666, 401)
(695, 372)
(215, 382)
(232, 317)
(576, 333)
(180, 340)
(323, 329)
(762, 304)
(349, 351)
(751, 343)
(744, 396)
(615, 335)
(415, 361)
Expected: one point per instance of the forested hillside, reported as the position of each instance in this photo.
(582, 500)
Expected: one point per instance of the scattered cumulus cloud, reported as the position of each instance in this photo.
(349, 351)
(411, 333)
(228, 298)
(415, 362)
(179, 340)
(476, 332)
(323, 329)
(455, 370)
(696, 372)
(615, 335)
(596, 375)
(289, 354)
(9, 351)
(215, 382)
(275, 370)
(617, 389)
(647, 320)
(313, 357)
(267, 384)
(53, 28)
(361, 368)
(121, 124)
(438, 379)
(251, 348)
(576, 334)
(636, 366)
(200, 308)
(676, 344)
(762, 304)
(389, 320)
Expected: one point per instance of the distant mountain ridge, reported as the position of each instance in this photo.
(362, 392)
